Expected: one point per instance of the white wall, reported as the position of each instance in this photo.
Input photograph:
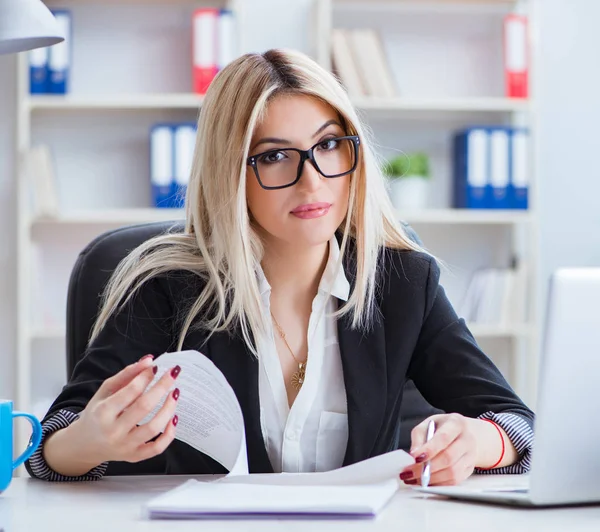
(568, 137)
(7, 222)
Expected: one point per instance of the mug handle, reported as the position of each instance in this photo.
(36, 437)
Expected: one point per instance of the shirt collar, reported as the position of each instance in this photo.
(333, 278)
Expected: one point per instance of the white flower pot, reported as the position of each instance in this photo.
(409, 192)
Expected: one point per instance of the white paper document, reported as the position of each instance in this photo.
(210, 417)
(211, 421)
(196, 499)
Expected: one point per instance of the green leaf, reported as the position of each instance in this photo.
(415, 164)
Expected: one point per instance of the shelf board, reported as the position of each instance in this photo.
(194, 101)
(479, 104)
(118, 102)
(441, 216)
(112, 217)
(465, 216)
(442, 2)
(48, 333)
(480, 330)
(63, 3)
(428, 216)
(434, 6)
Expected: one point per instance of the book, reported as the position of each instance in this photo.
(496, 296)
(344, 64)
(519, 169)
(499, 146)
(368, 53)
(38, 70)
(185, 140)
(373, 45)
(59, 59)
(162, 167)
(227, 46)
(211, 421)
(204, 47)
(38, 172)
(470, 171)
(516, 56)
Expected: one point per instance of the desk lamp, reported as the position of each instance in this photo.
(25, 25)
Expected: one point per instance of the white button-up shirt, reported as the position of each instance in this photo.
(313, 433)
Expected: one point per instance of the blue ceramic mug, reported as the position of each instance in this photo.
(7, 464)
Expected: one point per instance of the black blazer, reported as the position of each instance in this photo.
(416, 334)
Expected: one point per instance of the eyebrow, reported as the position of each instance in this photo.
(275, 140)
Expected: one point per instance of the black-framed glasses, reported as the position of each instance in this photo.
(282, 167)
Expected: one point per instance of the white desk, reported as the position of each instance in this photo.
(114, 505)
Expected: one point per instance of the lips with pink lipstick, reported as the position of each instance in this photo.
(311, 210)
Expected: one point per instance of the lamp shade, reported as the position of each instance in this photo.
(25, 25)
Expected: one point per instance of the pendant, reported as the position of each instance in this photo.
(298, 377)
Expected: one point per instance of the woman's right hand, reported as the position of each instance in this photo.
(109, 429)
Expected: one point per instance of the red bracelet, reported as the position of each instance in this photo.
(503, 447)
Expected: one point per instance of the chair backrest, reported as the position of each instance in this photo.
(98, 260)
(91, 272)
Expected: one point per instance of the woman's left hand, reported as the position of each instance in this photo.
(452, 450)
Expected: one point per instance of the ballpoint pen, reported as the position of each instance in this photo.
(426, 476)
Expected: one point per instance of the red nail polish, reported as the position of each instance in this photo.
(145, 357)
(175, 371)
(413, 481)
(176, 394)
(421, 458)
(175, 420)
(154, 369)
(406, 475)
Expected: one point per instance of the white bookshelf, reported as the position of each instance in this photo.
(98, 133)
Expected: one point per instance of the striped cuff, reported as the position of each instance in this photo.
(40, 469)
(520, 435)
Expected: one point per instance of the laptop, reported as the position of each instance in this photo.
(565, 467)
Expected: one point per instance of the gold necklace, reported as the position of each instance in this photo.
(298, 377)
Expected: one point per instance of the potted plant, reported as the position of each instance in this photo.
(408, 179)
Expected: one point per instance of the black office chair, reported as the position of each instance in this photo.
(99, 259)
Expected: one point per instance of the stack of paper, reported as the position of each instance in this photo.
(210, 420)
(360, 62)
(496, 296)
(195, 499)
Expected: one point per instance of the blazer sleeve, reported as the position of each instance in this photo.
(449, 368)
(144, 325)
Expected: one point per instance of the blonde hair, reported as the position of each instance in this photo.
(219, 243)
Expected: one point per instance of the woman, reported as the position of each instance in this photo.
(294, 277)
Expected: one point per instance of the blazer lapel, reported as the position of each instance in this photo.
(364, 365)
(365, 376)
(240, 367)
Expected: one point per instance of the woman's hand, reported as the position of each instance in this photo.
(109, 429)
(452, 450)
(459, 445)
